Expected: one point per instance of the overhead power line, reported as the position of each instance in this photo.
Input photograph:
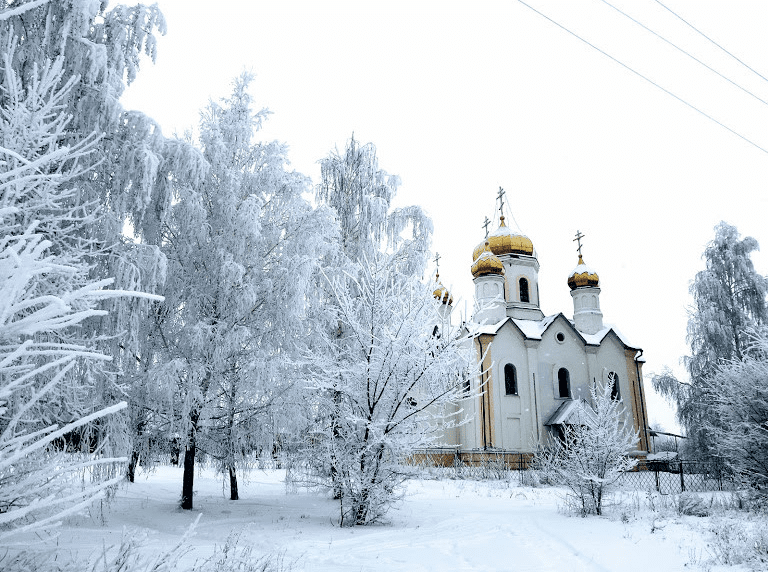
(695, 29)
(694, 58)
(637, 73)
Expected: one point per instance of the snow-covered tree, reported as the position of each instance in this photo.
(593, 451)
(128, 177)
(45, 294)
(740, 403)
(242, 246)
(360, 195)
(729, 303)
(384, 381)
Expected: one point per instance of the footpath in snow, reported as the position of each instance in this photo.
(441, 525)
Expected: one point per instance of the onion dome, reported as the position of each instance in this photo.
(441, 292)
(487, 263)
(583, 276)
(504, 241)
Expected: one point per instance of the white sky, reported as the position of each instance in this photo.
(463, 97)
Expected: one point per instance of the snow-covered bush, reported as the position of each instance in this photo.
(691, 504)
(735, 542)
(593, 453)
(739, 419)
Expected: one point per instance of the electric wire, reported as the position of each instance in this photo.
(637, 73)
(694, 58)
(694, 28)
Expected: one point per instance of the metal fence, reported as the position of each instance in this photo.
(666, 477)
(677, 476)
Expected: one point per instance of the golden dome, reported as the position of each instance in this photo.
(441, 292)
(583, 276)
(504, 241)
(487, 263)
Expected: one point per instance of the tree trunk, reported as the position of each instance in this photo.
(132, 464)
(233, 484)
(188, 482)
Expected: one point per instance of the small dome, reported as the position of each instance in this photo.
(583, 276)
(441, 292)
(487, 263)
(504, 241)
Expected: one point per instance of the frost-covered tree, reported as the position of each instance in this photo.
(45, 293)
(729, 303)
(242, 246)
(360, 194)
(128, 177)
(383, 381)
(740, 404)
(593, 451)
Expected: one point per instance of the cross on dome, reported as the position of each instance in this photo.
(485, 225)
(578, 238)
(500, 198)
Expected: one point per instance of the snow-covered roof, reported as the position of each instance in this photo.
(571, 412)
(533, 329)
(662, 456)
(492, 329)
(597, 338)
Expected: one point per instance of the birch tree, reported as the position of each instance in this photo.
(125, 179)
(242, 247)
(45, 293)
(729, 305)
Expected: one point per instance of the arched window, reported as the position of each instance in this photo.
(564, 382)
(615, 393)
(524, 297)
(510, 379)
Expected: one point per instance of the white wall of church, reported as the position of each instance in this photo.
(513, 422)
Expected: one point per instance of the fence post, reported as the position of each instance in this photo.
(682, 479)
(656, 472)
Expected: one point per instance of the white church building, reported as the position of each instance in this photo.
(537, 368)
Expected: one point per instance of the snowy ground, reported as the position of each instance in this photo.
(441, 525)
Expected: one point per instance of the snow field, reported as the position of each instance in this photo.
(441, 525)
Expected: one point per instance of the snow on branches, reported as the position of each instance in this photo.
(386, 382)
(45, 293)
(591, 453)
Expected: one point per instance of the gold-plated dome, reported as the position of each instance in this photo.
(583, 276)
(441, 292)
(504, 241)
(487, 263)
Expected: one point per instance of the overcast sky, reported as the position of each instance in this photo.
(463, 97)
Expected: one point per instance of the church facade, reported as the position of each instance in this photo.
(537, 369)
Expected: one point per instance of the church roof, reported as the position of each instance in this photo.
(571, 412)
(534, 330)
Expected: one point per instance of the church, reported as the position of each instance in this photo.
(537, 369)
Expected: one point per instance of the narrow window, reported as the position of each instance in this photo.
(510, 379)
(564, 382)
(613, 378)
(524, 290)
